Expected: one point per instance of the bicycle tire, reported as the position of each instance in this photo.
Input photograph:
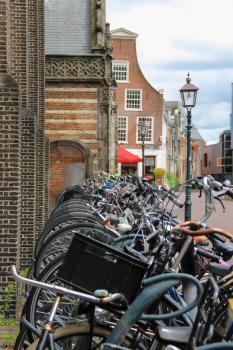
(65, 333)
(38, 305)
(22, 341)
(71, 209)
(76, 217)
(49, 273)
(59, 242)
(220, 316)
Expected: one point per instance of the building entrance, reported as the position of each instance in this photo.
(67, 167)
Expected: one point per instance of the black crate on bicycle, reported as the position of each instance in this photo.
(90, 265)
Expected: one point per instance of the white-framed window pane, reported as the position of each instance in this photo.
(122, 129)
(149, 134)
(120, 70)
(133, 99)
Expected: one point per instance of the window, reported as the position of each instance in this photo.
(120, 71)
(133, 99)
(123, 129)
(129, 168)
(205, 160)
(150, 130)
(150, 162)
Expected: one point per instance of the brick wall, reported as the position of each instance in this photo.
(3, 37)
(23, 152)
(28, 185)
(10, 175)
(152, 100)
(71, 115)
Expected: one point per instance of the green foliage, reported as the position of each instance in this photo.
(8, 322)
(7, 300)
(8, 339)
(24, 272)
(21, 287)
(171, 180)
(159, 172)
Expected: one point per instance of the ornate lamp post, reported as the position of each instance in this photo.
(188, 96)
(143, 127)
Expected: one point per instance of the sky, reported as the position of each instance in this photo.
(180, 36)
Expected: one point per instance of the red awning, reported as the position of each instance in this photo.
(125, 156)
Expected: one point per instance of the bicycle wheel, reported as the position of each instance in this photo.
(221, 322)
(61, 221)
(39, 302)
(22, 341)
(59, 242)
(77, 336)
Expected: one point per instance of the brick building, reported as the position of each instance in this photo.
(80, 92)
(198, 144)
(24, 148)
(217, 159)
(175, 139)
(137, 99)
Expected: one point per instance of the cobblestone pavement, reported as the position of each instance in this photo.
(219, 218)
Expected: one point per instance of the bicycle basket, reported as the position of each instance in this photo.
(90, 265)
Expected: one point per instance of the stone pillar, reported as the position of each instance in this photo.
(107, 127)
(10, 178)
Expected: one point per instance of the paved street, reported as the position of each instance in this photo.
(219, 218)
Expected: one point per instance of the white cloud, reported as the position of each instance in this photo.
(176, 36)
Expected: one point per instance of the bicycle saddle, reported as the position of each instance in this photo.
(175, 334)
(220, 269)
(225, 249)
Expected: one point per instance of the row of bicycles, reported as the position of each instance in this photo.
(114, 268)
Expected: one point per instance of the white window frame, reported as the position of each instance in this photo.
(126, 128)
(133, 109)
(127, 70)
(152, 130)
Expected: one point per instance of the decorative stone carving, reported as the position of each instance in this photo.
(86, 67)
(100, 22)
(107, 94)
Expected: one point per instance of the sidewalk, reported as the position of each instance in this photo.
(218, 219)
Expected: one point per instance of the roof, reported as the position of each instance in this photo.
(123, 33)
(172, 104)
(196, 134)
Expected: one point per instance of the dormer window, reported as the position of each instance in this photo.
(120, 71)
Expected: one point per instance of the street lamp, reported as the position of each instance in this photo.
(188, 96)
(143, 127)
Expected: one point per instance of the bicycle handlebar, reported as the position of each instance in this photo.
(62, 290)
(179, 277)
(175, 201)
(201, 232)
(160, 285)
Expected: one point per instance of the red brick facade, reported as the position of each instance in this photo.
(71, 116)
(124, 49)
